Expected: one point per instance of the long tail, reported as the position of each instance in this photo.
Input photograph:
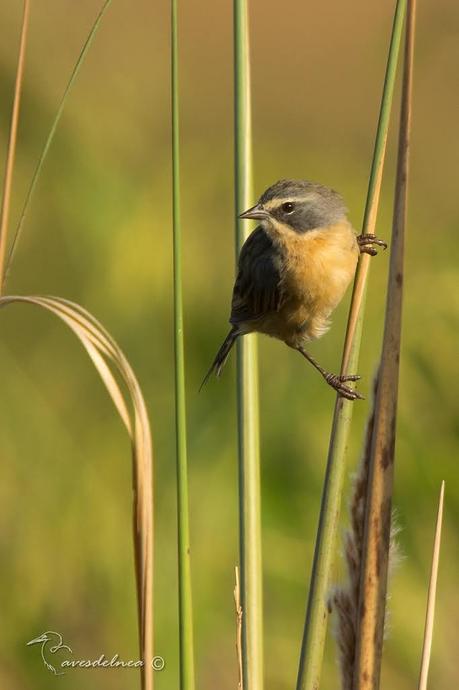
(222, 355)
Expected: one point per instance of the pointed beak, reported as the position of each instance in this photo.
(257, 212)
(38, 640)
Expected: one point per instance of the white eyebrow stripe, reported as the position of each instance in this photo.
(275, 203)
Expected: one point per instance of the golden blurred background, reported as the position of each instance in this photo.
(99, 232)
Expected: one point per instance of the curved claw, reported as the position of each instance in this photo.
(365, 249)
(348, 393)
(337, 382)
(365, 242)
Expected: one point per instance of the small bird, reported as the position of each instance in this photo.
(294, 269)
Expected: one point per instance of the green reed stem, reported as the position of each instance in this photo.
(52, 131)
(247, 382)
(187, 681)
(312, 647)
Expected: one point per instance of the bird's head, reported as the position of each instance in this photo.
(44, 637)
(297, 205)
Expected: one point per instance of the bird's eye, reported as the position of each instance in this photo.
(288, 207)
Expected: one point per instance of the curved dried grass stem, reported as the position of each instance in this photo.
(106, 357)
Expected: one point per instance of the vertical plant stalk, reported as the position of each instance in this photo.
(50, 137)
(187, 679)
(11, 151)
(312, 646)
(247, 382)
(430, 613)
(375, 552)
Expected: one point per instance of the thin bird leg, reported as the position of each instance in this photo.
(365, 242)
(335, 380)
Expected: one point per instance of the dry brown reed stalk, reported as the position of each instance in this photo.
(376, 544)
(430, 613)
(344, 599)
(237, 602)
(11, 151)
(315, 627)
(108, 358)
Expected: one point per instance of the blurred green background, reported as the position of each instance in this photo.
(99, 232)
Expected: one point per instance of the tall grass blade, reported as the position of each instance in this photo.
(187, 680)
(247, 381)
(49, 139)
(375, 552)
(107, 358)
(312, 646)
(11, 150)
(430, 613)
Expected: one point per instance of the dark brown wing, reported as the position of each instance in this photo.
(257, 288)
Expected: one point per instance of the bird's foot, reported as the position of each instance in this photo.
(365, 243)
(338, 383)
